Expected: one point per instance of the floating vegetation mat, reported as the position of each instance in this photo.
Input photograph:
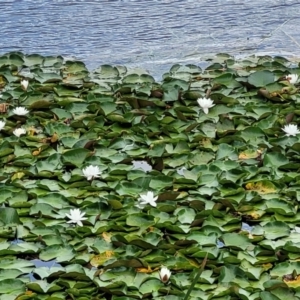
(114, 186)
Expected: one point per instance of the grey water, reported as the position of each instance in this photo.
(149, 34)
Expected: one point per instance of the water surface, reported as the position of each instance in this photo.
(149, 34)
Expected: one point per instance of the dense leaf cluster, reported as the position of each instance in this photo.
(227, 182)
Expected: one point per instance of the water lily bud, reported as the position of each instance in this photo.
(164, 274)
(24, 84)
(2, 124)
(292, 78)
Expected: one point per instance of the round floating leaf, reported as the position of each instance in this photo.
(275, 160)
(236, 241)
(76, 156)
(150, 286)
(75, 67)
(275, 230)
(185, 215)
(139, 220)
(60, 253)
(9, 215)
(12, 287)
(281, 207)
(16, 59)
(262, 187)
(40, 104)
(33, 60)
(47, 77)
(107, 71)
(261, 78)
(159, 182)
(43, 287)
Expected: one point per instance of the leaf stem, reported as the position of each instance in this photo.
(196, 277)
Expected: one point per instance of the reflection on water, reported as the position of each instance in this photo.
(149, 34)
(181, 170)
(247, 227)
(49, 264)
(40, 263)
(220, 244)
(16, 241)
(141, 165)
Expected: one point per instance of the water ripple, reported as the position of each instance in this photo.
(146, 33)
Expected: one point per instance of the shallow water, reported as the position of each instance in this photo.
(149, 34)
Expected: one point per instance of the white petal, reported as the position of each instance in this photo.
(144, 197)
(140, 205)
(205, 110)
(153, 203)
(81, 214)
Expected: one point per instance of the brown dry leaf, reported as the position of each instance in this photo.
(106, 236)
(249, 154)
(255, 215)
(261, 187)
(54, 138)
(27, 293)
(150, 229)
(18, 175)
(3, 107)
(145, 270)
(37, 152)
(32, 131)
(295, 282)
(267, 266)
(109, 253)
(100, 259)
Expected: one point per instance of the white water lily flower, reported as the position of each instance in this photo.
(24, 84)
(292, 78)
(20, 111)
(76, 216)
(296, 229)
(91, 172)
(290, 129)
(164, 274)
(19, 131)
(147, 199)
(2, 124)
(205, 104)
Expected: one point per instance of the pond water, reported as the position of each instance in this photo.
(149, 34)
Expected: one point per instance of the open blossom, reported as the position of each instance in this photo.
(205, 104)
(76, 216)
(20, 111)
(290, 129)
(2, 124)
(164, 274)
(24, 84)
(91, 172)
(19, 131)
(147, 199)
(292, 78)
